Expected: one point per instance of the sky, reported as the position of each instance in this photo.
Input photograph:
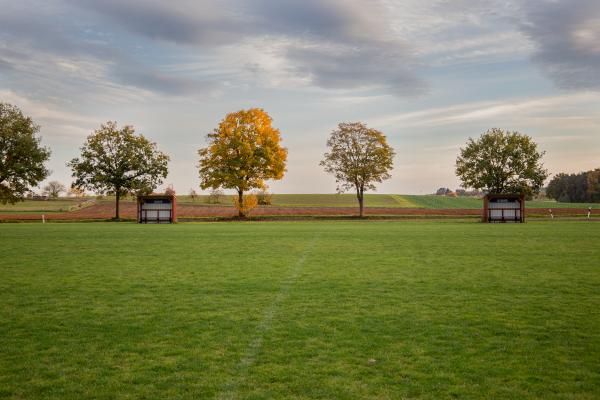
(429, 74)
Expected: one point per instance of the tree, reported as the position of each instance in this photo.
(117, 161)
(242, 153)
(76, 192)
(558, 186)
(575, 188)
(593, 186)
(358, 157)
(215, 196)
(170, 191)
(193, 195)
(22, 157)
(502, 162)
(54, 188)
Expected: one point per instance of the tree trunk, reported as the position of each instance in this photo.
(361, 199)
(117, 197)
(361, 206)
(241, 204)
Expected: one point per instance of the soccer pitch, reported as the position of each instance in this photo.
(304, 310)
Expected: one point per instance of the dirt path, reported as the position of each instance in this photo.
(128, 210)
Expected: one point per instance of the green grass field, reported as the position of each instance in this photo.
(298, 200)
(386, 200)
(443, 202)
(300, 310)
(341, 200)
(318, 200)
(42, 206)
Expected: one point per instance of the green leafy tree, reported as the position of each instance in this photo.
(502, 162)
(117, 161)
(242, 153)
(358, 157)
(22, 157)
(575, 188)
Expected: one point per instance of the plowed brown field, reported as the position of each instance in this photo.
(128, 211)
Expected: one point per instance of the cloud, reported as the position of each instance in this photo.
(565, 111)
(356, 67)
(562, 37)
(567, 39)
(59, 123)
(204, 22)
(329, 44)
(57, 46)
(346, 45)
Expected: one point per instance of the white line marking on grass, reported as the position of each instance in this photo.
(230, 388)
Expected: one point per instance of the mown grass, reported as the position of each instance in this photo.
(344, 310)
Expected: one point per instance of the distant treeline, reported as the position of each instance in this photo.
(443, 191)
(583, 187)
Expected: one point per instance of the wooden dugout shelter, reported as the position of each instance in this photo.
(504, 208)
(157, 209)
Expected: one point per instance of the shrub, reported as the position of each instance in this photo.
(170, 191)
(215, 196)
(249, 202)
(76, 192)
(263, 197)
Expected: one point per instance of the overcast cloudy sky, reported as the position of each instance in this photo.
(428, 73)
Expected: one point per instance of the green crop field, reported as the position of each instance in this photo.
(300, 310)
(346, 200)
(443, 202)
(385, 200)
(318, 200)
(555, 204)
(341, 200)
(43, 206)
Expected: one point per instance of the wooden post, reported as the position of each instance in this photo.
(174, 210)
(485, 217)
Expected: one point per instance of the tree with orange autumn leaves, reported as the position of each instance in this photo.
(242, 153)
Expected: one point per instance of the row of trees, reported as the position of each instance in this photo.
(575, 188)
(444, 191)
(245, 151)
